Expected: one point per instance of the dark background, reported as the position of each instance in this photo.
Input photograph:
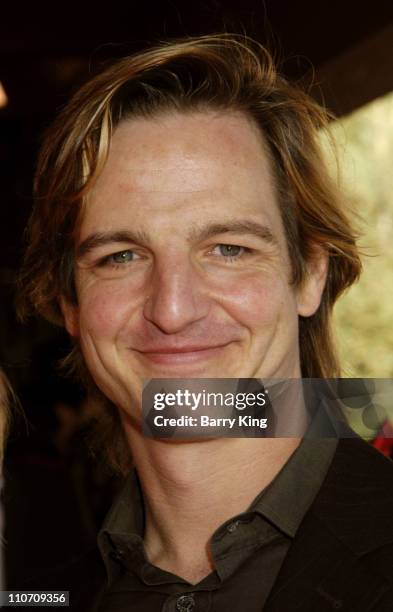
(55, 496)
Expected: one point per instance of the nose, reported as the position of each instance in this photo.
(176, 297)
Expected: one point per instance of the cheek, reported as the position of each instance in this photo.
(104, 308)
(257, 301)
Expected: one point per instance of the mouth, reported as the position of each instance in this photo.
(181, 356)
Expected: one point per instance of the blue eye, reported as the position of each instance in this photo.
(115, 259)
(231, 253)
(121, 257)
(229, 250)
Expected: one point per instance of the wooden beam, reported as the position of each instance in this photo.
(357, 76)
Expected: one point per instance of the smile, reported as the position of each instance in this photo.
(191, 354)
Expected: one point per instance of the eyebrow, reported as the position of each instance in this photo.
(100, 239)
(234, 227)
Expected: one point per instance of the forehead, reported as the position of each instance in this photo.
(177, 162)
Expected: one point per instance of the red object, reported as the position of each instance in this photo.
(384, 440)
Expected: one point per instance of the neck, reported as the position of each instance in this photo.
(191, 488)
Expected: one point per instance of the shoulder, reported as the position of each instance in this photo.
(343, 550)
(357, 463)
(356, 498)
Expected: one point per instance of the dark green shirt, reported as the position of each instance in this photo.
(248, 549)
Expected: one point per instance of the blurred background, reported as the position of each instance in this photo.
(56, 496)
(364, 316)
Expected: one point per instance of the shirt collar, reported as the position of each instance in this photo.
(284, 503)
(123, 527)
(288, 497)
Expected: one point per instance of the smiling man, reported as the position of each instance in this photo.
(185, 227)
(182, 266)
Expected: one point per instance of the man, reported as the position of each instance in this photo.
(185, 227)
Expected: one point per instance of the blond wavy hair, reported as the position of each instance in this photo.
(220, 72)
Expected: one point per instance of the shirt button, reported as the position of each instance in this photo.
(185, 603)
(233, 526)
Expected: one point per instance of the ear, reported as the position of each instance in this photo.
(71, 316)
(309, 293)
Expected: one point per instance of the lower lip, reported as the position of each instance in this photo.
(183, 358)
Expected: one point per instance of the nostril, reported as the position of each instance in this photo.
(174, 304)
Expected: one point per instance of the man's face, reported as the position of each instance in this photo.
(182, 266)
